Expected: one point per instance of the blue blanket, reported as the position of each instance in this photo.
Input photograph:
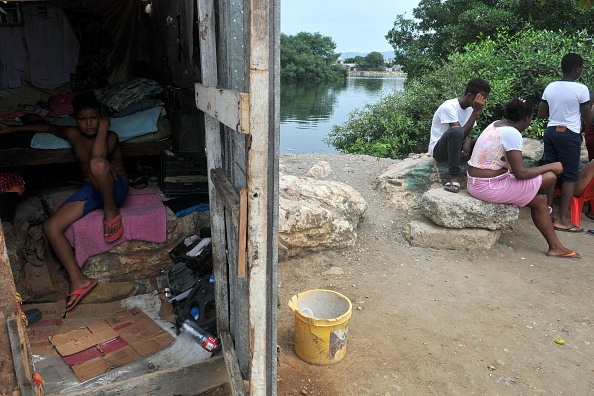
(127, 127)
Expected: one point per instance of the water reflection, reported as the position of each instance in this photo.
(308, 103)
(309, 110)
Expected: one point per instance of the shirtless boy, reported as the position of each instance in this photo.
(98, 152)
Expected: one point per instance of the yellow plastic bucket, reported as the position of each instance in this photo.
(321, 326)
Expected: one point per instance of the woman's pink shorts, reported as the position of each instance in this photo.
(504, 189)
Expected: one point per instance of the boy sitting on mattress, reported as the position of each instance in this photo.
(106, 184)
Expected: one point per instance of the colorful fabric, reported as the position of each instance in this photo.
(144, 218)
(118, 96)
(490, 148)
(504, 189)
(94, 200)
(11, 182)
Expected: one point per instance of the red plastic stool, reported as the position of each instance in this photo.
(578, 202)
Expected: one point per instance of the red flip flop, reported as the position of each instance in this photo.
(80, 293)
(114, 236)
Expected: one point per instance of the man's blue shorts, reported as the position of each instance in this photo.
(564, 147)
(93, 198)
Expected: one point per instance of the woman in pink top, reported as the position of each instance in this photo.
(497, 153)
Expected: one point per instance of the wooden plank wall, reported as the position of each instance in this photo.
(11, 327)
(262, 161)
(272, 303)
(247, 60)
(233, 75)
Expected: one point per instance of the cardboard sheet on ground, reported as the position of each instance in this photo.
(111, 342)
(53, 323)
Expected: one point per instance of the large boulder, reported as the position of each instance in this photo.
(140, 260)
(317, 215)
(320, 170)
(532, 151)
(404, 182)
(425, 234)
(464, 211)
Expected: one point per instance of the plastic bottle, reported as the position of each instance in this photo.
(195, 312)
(204, 338)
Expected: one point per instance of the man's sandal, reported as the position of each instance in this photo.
(111, 235)
(453, 187)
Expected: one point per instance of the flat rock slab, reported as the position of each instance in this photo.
(425, 234)
(464, 211)
(404, 182)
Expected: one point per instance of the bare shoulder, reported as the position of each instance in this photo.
(70, 133)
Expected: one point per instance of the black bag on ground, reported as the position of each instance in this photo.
(199, 307)
(201, 262)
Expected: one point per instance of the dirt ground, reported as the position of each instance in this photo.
(439, 322)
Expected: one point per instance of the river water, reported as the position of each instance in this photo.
(309, 110)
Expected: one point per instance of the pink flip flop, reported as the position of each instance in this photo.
(80, 293)
(114, 237)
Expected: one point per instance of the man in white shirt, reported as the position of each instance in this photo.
(451, 125)
(565, 103)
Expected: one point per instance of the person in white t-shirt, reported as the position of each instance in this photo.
(451, 125)
(565, 103)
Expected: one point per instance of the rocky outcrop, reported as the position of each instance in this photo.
(317, 215)
(423, 233)
(404, 183)
(464, 211)
(459, 222)
(140, 260)
(320, 170)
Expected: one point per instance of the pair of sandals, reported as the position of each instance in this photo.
(452, 187)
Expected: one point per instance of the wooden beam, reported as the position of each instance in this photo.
(214, 156)
(190, 379)
(226, 192)
(22, 367)
(260, 223)
(29, 156)
(228, 107)
(237, 387)
(241, 246)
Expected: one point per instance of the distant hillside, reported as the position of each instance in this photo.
(386, 54)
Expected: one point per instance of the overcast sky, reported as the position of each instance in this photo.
(355, 26)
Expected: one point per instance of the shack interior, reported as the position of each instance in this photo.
(143, 61)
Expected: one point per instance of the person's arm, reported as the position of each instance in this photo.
(477, 107)
(543, 110)
(587, 112)
(37, 128)
(514, 157)
(100, 147)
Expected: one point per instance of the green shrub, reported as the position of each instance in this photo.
(519, 65)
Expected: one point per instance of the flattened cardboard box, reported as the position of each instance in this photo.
(52, 321)
(112, 342)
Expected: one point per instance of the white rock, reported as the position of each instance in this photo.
(317, 215)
